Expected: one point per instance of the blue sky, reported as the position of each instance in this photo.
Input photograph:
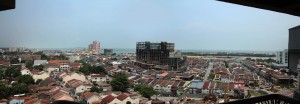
(190, 24)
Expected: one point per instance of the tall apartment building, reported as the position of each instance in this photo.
(108, 51)
(95, 47)
(150, 54)
(294, 48)
(282, 57)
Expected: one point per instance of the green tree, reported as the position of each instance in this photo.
(44, 57)
(14, 61)
(96, 89)
(19, 88)
(27, 79)
(4, 91)
(29, 64)
(211, 76)
(145, 91)
(2, 75)
(120, 82)
(98, 70)
(40, 67)
(128, 102)
(12, 71)
(38, 81)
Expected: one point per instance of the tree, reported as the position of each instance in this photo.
(12, 71)
(120, 82)
(40, 67)
(96, 89)
(128, 102)
(19, 88)
(14, 61)
(29, 64)
(44, 57)
(27, 79)
(211, 76)
(2, 75)
(4, 91)
(145, 91)
(38, 81)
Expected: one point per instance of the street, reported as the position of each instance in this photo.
(210, 66)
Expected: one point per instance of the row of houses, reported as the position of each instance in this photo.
(165, 87)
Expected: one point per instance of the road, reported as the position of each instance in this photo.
(210, 66)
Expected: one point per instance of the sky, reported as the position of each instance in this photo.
(190, 24)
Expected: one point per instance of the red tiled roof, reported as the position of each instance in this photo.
(107, 99)
(58, 61)
(3, 100)
(98, 75)
(205, 85)
(122, 96)
(87, 95)
(45, 88)
(75, 85)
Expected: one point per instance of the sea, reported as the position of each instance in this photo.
(131, 50)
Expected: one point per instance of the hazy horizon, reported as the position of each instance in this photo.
(191, 25)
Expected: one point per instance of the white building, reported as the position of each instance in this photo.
(282, 57)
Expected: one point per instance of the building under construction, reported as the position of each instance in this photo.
(150, 54)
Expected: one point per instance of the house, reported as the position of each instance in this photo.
(39, 62)
(16, 100)
(80, 88)
(98, 77)
(25, 71)
(218, 87)
(63, 64)
(4, 63)
(104, 86)
(52, 68)
(79, 76)
(41, 95)
(40, 75)
(75, 65)
(195, 87)
(3, 101)
(122, 98)
(38, 101)
(91, 97)
(222, 71)
(48, 82)
(60, 94)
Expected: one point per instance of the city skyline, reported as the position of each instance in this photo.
(199, 25)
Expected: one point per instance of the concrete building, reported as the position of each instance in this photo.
(175, 60)
(294, 48)
(282, 57)
(95, 47)
(108, 51)
(149, 54)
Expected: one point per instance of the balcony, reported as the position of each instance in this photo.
(267, 99)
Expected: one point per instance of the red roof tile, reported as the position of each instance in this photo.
(122, 96)
(107, 99)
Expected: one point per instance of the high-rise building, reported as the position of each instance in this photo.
(95, 47)
(108, 51)
(282, 57)
(150, 54)
(294, 48)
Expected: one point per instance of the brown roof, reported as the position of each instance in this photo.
(58, 61)
(122, 96)
(75, 85)
(205, 85)
(98, 75)
(107, 99)
(45, 88)
(87, 95)
(3, 100)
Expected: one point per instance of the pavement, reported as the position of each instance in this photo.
(210, 66)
